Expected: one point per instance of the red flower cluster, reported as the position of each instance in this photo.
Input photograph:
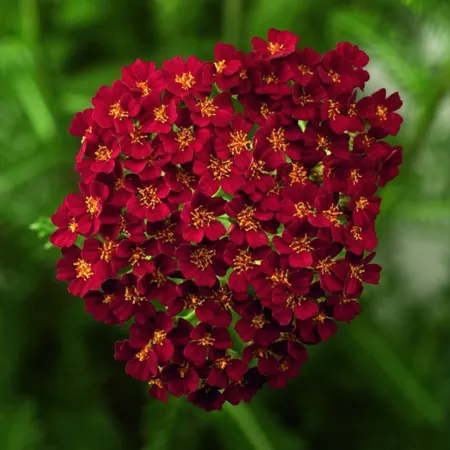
(228, 209)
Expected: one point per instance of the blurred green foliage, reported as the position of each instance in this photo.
(383, 382)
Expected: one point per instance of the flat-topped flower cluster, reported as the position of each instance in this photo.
(227, 209)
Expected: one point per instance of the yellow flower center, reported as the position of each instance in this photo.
(73, 226)
(361, 203)
(356, 271)
(274, 47)
(243, 261)
(280, 276)
(382, 112)
(83, 269)
(259, 321)
(137, 255)
(356, 233)
(103, 153)
(298, 173)
(117, 112)
(132, 295)
(304, 70)
(335, 77)
(220, 168)
(201, 217)
(270, 78)
(264, 110)
(239, 142)
(324, 265)
(108, 248)
(277, 140)
(207, 107)
(92, 205)
(220, 65)
(207, 340)
(143, 86)
(301, 244)
(355, 176)
(333, 109)
(246, 219)
(186, 80)
(202, 258)
(303, 209)
(185, 136)
(149, 198)
(160, 114)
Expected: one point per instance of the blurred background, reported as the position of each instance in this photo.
(383, 382)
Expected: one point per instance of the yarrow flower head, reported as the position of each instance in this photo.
(227, 209)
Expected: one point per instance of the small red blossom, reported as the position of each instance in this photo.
(115, 108)
(199, 218)
(280, 44)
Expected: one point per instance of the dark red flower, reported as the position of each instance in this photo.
(208, 398)
(270, 78)
(379, 110)
(136, 143)
(298, 242)
(68, 227)
(303, 64)
(225, 369)
(258, 108)
(129, 301)
(251, 223)
(149, 202)
(164, 236)
(276, 140)
(331, 271)
(364, 205)
(280, 44)
(298, 203)
(160, 116)
(184, 77)
(205, 338)
(187, 139)
(218, 173)
(234, 142)
(115, 106)
(243, 260)
(73, 268)
(202, 263)
(100, 155)
(227, 69)
(306, 101)
(245, 388)
(135, 255)
(318, 328)
(157, 285)
(217, 111)
(344, 308)
(199, 218)
(360, 270)
(101, 255)
(99, 303)
(258, 325)
(181, 378)
(143, 78)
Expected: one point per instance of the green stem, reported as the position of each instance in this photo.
(232, 21)
(249, 426)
